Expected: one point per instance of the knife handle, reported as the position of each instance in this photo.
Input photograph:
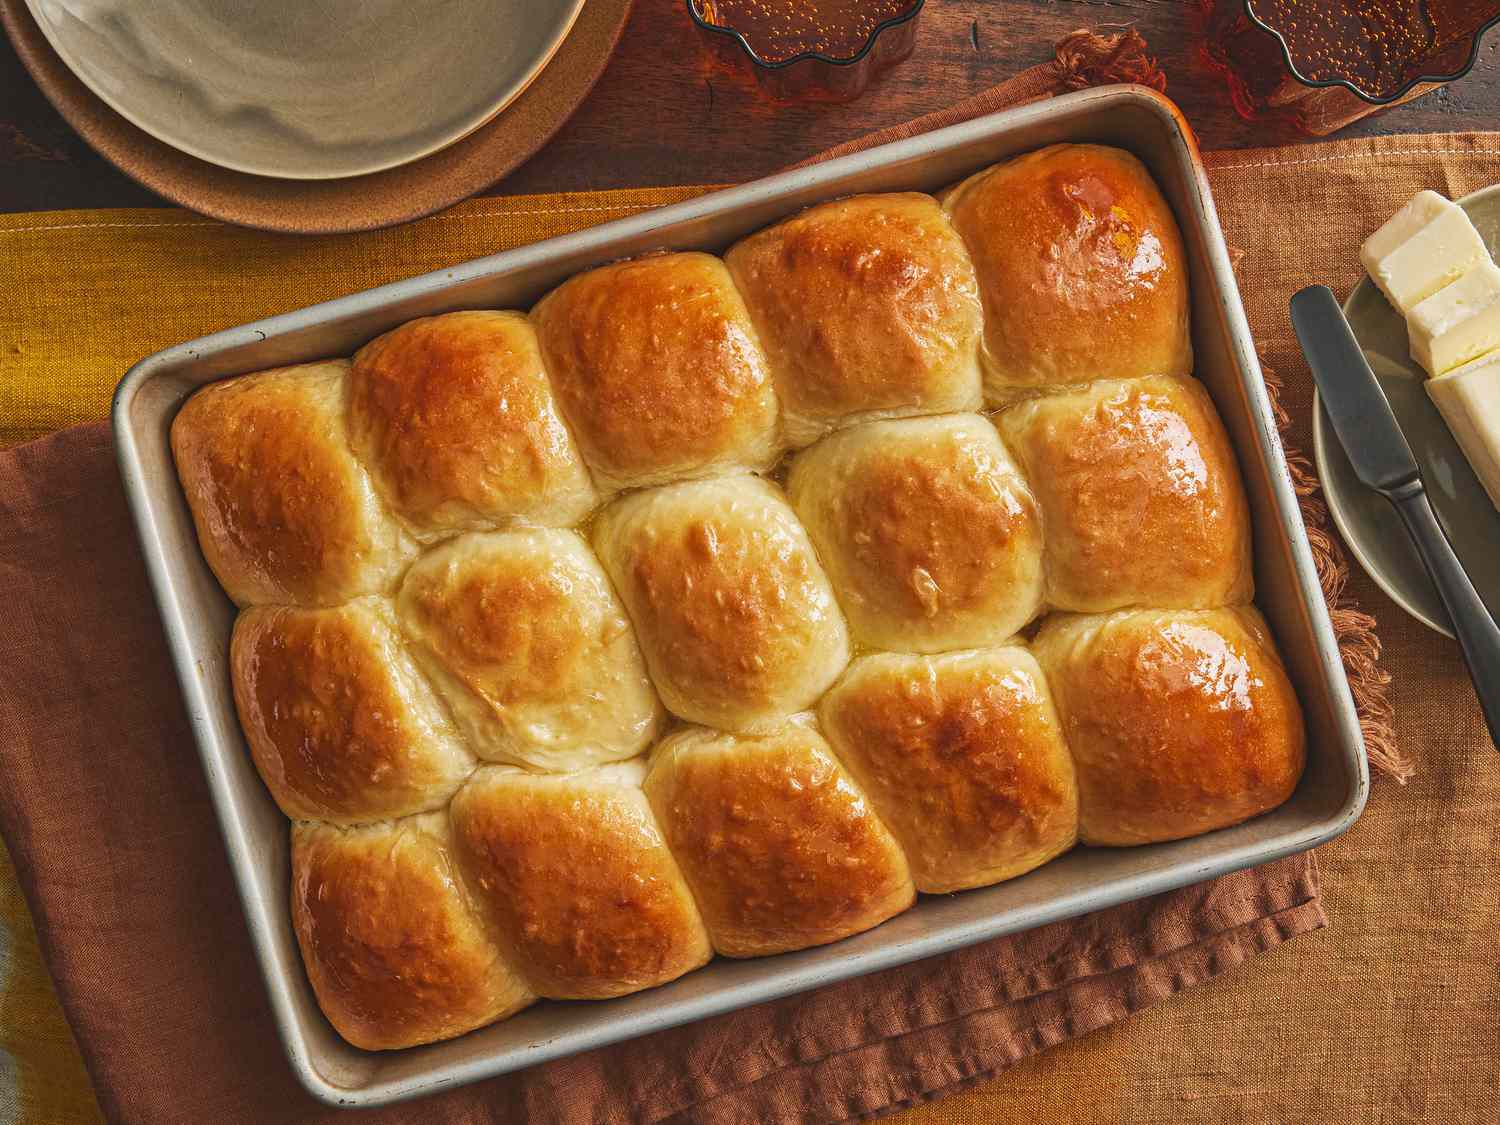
(1472, 624)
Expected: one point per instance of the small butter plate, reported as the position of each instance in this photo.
(307, 89)
(1369, 525)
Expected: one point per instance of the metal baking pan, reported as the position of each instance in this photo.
(198, 616)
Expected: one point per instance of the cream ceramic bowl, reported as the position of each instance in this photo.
(307, 89)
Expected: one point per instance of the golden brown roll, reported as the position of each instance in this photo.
(397, 952)
(523, 636)
(340, 723)
(735, 616)
(931, 536)
(284, 512)
(454, 416)
(867, 307)
(1140, 496)
(578, 879)
(658, 370)
(1081, 270)
(779, 845)
(963, 757)
(1180, 722)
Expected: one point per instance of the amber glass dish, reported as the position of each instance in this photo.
(792, 56)
(1324, 63)
(1379, 49)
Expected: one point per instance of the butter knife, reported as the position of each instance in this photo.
(1383, 461)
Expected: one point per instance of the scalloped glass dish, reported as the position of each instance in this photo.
(1378, 49)
(1325, 63)
(792, 54)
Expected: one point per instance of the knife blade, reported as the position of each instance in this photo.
(1383, 461)
(1351, 394)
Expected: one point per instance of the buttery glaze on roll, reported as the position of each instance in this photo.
(779, 845)
(341, 724)
(455, 418)
(734, 613)
(574, 870)
(657, 368)
(284, 512)
(1140, 495)
(1081, 269)
(397, 951)
(1180, 722)
(868, 308)
(931, 536)
(523, 636)
(963, 757)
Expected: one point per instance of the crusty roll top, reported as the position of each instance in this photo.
(528, 644)
(1081, 270)
(931, 536)
(781, 848)
(702, 610)
(1180, 722)
(397, 950)
(1140, 495)
(341, 724)
(736, 616)
(867, 307)
(455, 417)
(579, 880)
(284, 511)
(963, 756)
(658, 368)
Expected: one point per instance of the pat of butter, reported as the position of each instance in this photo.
(1459, 322)
(1469, 400)
(1424, 246)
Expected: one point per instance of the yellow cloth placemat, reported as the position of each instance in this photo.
(175, 276)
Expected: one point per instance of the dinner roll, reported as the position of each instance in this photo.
(735, 616)
(578, 879)
(284, 512)
(1081, 270)
(963, 757)
(929, 533)
(1180, 721)
(657, 368)
(455, 418)
(340, 723)
(1140, 496)
(867, 307)
(778, 843)
(395, 948)
(528, 644)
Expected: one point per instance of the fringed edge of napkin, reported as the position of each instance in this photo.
(1354, 629)
(1087, 58)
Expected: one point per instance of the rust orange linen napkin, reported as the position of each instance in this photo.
(106, 812)
(107, 816)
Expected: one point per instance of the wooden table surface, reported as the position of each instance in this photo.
(663, 115)
(1306, 1024)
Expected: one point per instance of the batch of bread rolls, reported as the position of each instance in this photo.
(722, 605)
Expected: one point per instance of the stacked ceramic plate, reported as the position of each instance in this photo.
(1366, 520)
(292, 92)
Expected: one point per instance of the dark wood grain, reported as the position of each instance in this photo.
(665, 113)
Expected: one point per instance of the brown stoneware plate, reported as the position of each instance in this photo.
(350, 203)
